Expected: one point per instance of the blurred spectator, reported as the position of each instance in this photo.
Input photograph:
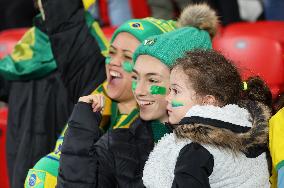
(118, 11)
(274, 9)
(166, 9)
(228, 10)
(16, 13)
(251, 10)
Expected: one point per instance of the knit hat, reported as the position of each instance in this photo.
(144, 28)
(197, 25)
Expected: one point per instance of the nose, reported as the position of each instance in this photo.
(116, 60)
(141, 89)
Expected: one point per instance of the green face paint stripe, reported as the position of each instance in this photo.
(176, 103)
(134, 85)
(158, 90)
(107, 61)
(127, 66)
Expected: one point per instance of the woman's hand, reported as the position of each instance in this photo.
(96, 100)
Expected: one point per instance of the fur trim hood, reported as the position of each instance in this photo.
(239, 128)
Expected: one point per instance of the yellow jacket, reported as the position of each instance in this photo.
(276, 144)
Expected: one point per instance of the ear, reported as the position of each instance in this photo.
(209, 100)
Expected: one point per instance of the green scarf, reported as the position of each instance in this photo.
(159, 130)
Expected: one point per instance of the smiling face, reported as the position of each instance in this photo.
(151, 80)
(182, 96)
(118, 68)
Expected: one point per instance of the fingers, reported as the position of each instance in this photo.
(97, 101)
(86, 99)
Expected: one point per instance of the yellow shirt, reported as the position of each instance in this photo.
(276, 144)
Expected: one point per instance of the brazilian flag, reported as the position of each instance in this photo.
(32, 56)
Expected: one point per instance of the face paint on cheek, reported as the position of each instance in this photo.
(176, 104)
(158, 90)
(127, 66)
(107, 61)
(134, 85)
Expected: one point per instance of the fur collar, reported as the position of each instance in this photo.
(251, 115)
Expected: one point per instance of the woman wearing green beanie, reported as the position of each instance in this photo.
(66, 29)
(118, 157)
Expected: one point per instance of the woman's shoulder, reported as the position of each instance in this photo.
(115, 138)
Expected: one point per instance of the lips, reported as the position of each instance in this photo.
(144, 103)
(114, 76)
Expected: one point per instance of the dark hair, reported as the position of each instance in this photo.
(257, 90)
(213, 74)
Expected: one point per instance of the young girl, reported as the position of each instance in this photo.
(219, 139)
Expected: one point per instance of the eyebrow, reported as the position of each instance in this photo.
(111, 46)
(176, 85)
(148, 74)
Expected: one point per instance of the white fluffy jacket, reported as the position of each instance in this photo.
(232, 168)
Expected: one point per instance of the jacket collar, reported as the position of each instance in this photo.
(231, 113)
(137, 124)
(240, 128)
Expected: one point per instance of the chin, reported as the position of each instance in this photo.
(113, 94)
(146, 116)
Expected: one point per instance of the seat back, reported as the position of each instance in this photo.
(108, 31)
(255, 56)
(4, 181)
(8, 39)
(268, 29)
(139, 8)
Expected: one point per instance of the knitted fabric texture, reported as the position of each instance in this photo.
(159, 130)
(144, 28)
(172, 45)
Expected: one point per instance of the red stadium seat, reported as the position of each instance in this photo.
(102, 4)
(255, 56)
(269, 29)
(13, 33)
(108, 31)
(139, 8)
(4, 182)
(8, 39)
(6, 46)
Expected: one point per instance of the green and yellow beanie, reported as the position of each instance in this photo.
(197, 25)
(144, 28)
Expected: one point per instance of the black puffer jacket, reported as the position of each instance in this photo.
(114, 160)
(39, 108)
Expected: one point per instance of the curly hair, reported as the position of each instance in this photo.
(211, 73)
